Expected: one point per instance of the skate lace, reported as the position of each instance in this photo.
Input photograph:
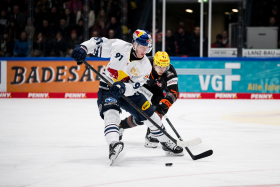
(170, 144)
(115, 144)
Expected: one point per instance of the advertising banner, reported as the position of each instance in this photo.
(261, 53)
(232, 52)
(223, 52)
(229, 76)
(52, 76)
(199, 78)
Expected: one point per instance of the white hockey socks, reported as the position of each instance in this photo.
(111, 133)
(155, 132)
(112, 120)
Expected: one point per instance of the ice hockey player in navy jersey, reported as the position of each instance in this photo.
(128, 69)
(163, 77)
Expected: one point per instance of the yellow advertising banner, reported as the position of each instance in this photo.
(52, 76)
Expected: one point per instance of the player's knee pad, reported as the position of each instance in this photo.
(112, 117)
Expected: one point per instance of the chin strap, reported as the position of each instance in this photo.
(134, 49)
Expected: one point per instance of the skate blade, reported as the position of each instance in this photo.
(149, 144)
(174, 154)
(114, 157)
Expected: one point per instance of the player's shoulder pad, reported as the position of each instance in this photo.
(151, 59)
(146, 59)
(120, 44)
(145, 62)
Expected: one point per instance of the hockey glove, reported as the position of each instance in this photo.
(117, 89)
(162, 107)
(79, 53)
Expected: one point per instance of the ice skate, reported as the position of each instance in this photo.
(150, 142)
(114, 150)
(171, 148)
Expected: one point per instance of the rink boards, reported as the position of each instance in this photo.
(199, 78)
(182, 95)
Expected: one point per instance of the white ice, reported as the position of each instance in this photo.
(60, 143)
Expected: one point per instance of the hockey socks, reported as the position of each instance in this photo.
(111, 133)
(130, 122)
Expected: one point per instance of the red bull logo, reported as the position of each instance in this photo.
(139, 33)
(118, 75)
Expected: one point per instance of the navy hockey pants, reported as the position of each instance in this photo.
(106, 102)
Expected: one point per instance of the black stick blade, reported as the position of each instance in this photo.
(203, 155)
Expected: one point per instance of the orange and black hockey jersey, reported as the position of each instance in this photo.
(167, 82)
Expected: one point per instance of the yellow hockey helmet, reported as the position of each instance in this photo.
(162, 59)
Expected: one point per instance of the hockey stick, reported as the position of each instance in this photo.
(179, 143)
(194, 157)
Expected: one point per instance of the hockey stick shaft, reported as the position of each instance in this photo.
(194, 157)
(135, 106)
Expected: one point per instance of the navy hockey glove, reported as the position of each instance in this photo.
(79, 53)
(162, 107)
(117, 89)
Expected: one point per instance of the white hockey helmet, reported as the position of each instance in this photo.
(143, 38)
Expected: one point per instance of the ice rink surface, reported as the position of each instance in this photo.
(60, 143)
